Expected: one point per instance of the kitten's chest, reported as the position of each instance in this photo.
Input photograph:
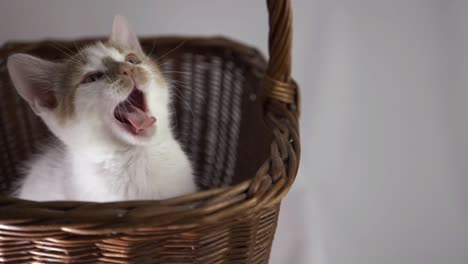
(126, 176)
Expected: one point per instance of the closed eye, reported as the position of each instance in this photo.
(133, 59)
(92, 77)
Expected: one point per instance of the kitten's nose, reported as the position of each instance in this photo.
(126, 69)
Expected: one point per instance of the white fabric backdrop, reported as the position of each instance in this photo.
(384, 167)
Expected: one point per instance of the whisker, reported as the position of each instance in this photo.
(131, 100)
(160, 65)
(125, 107)
(176, 83)
(79, 52)
(72, 56)
(68, 49)
(172, 50)
(59, 49)
(152, 49)
(181, 85)
(180, 72)
(107, 76)
(67, 55)
(187, 104)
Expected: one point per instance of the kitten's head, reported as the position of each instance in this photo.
(108, 92)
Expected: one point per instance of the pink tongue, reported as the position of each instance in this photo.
(139, 120)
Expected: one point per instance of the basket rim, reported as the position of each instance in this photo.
(11, 46)
(267, 188)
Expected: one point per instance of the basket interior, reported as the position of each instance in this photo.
(217, 98)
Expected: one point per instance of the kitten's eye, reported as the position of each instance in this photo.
(133, 59)
(92, 77)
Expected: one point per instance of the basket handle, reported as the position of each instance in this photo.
(278, 76)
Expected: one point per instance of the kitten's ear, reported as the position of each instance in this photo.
(32, 78)
(123, 34)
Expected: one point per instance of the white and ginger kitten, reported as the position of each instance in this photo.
(109, 107)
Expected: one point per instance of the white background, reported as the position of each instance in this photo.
(384, 127)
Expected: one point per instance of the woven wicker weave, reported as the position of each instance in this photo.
(237, 117)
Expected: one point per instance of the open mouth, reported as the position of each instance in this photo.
(132, 113)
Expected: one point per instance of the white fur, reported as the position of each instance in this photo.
(98, 160)
(155, 171)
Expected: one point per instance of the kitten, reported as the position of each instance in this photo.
(109, 107)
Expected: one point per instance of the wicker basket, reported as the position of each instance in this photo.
(237, 117)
